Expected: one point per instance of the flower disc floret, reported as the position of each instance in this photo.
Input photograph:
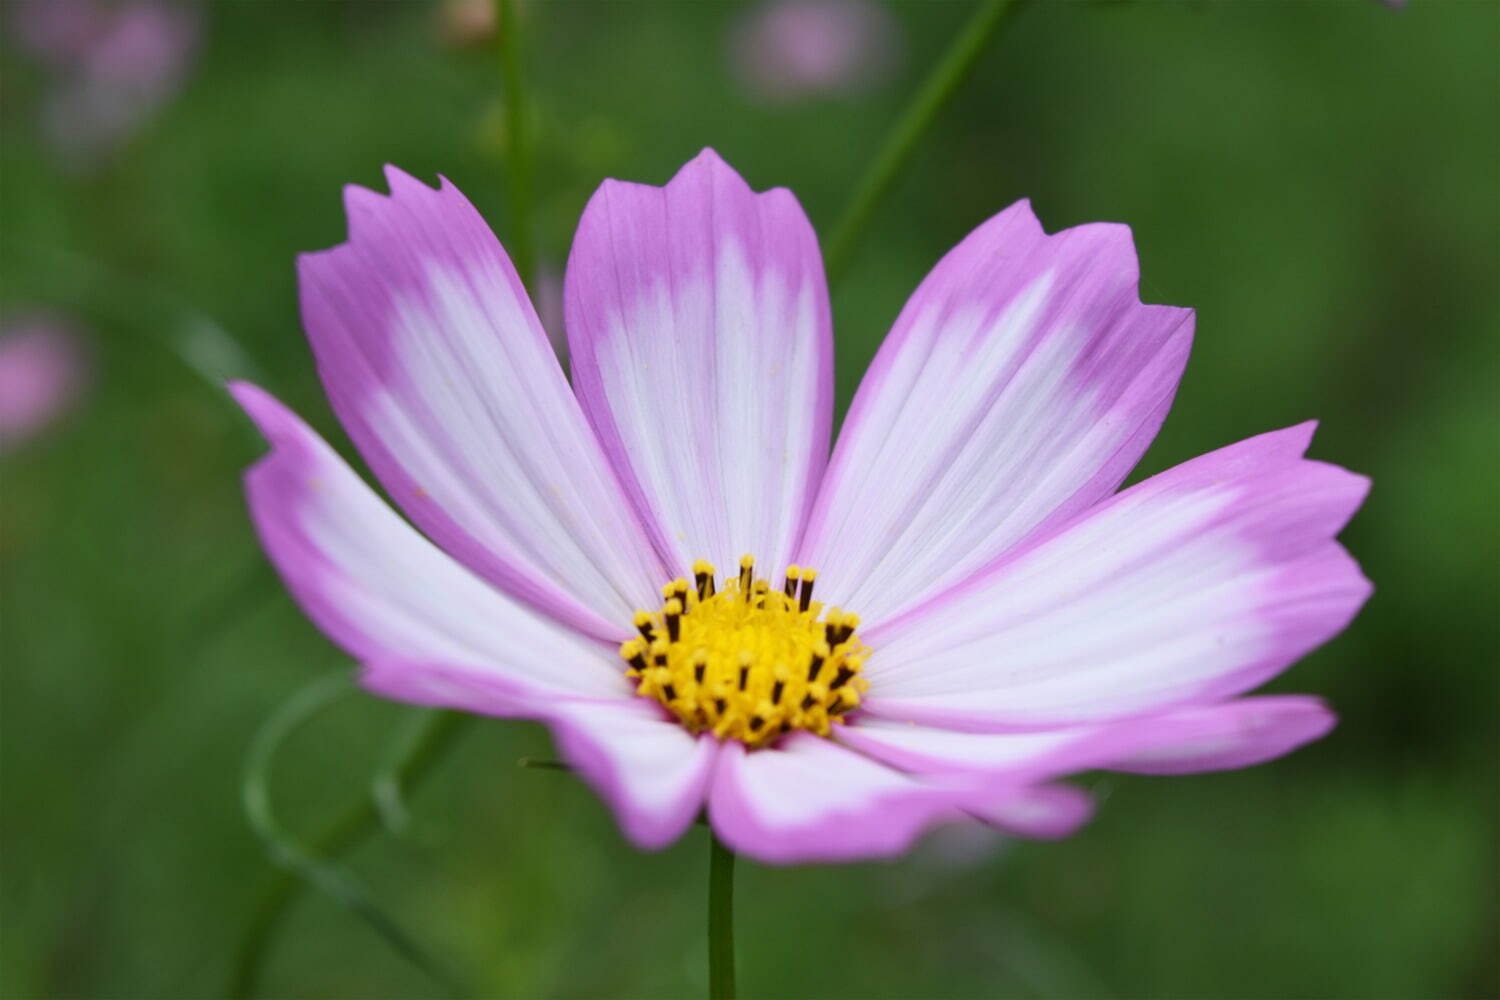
(748, 662)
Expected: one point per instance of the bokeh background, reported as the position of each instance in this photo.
(1320, 179)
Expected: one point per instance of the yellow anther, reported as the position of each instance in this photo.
(747, 662)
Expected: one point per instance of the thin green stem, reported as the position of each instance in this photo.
(720, 920)
(938, 89)
(518, 141)
(351, 827)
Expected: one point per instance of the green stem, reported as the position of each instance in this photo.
(720, 920)
(934, 94)
(518, 169)
(352, 827)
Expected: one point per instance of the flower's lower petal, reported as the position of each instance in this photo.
(808, 799)
(650, 770)
(437, 366)
(1040, 812)
(1213, 737)
(1195, 585)
(699, 333)
(395, 601)
(1020, 385)
(1015, 758)
(1227, 736)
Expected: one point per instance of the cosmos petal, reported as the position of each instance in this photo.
(437, 366)
(807, 799)
(391, 598)
(653, 773)
(1020, 384)
(1194, 585)
(699, 331)
(1235, 734)
(1041, 812)
(1214, 737)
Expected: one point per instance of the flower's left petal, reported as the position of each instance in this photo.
(438, 368)
(1019, 385)
(699, 332)
(653, 773)
(808, 799)
(1040, 812)
(390, 597)
(1213, 737)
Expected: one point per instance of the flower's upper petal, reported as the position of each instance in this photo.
(1214, 737)
(1020, 385)
(392, 599)
(650, 770)
(436, 364)
(807, 799)
(1042, 812)
(1192, 586)
(699, 332)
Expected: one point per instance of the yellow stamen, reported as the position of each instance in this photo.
(747, 662)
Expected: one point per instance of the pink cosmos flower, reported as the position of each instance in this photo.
(41, 372)
(789, 49)
(997, 616)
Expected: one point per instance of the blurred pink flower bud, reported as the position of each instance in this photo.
(790, 49)
(42, 370)
(468, 22)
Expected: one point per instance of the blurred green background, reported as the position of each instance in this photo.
(1321, 180)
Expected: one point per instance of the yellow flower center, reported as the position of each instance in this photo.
(748, 662)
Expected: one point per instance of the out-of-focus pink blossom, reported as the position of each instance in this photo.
(42, 370)
(790, 49)
(57, 32)
(111, 67)
(468, 22)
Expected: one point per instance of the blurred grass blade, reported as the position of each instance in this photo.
(200, 343)
(308, 863)
(209, 349)
(934, 94)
